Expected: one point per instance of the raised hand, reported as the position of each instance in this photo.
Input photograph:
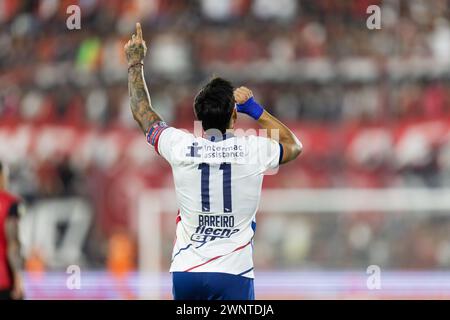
(136, 49)
(242, 94)
(140, 102)
(245, 103)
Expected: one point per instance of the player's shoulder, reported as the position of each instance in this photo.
(254, 140)
(172, 140)
(179, 131)
(179, 135)
(160, 129)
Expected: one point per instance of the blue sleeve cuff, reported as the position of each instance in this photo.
(251, 107)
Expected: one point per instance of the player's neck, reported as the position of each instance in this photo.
(219, 137)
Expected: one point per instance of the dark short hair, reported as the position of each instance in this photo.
(1, 167)
(214, 104)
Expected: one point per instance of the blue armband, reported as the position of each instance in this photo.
(251, 107)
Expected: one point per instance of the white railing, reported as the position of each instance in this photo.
(287, 201)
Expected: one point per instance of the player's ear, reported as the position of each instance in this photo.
(233, 118)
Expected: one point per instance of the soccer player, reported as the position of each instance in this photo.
(218, 181)
(10, 259)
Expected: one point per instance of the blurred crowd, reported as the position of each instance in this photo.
(312, 63)
(310, 60)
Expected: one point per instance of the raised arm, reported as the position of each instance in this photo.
(292, 147)
(140, 102)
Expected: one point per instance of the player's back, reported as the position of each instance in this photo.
(218, 185)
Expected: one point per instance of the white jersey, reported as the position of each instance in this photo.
(218, 187)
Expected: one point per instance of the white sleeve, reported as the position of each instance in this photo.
(163, 138)
(270, 153)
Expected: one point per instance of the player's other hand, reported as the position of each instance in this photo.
(135, 49)
(245, 103)
(242, 94)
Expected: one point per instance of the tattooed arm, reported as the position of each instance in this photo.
(140, 102)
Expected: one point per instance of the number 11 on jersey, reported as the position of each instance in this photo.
(205, 171)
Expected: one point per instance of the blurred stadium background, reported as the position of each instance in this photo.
(372, 108)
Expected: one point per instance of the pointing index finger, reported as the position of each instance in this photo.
(139, 31)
